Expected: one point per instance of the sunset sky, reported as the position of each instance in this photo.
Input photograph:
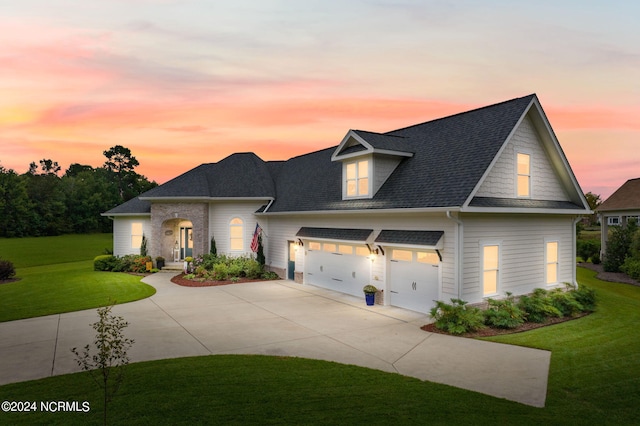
(184, 82)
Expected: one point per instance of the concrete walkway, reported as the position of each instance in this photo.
(279, 318)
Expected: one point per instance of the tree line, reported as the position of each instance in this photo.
(42, 202)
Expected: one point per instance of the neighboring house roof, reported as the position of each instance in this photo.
(627, 197)
(441, 165)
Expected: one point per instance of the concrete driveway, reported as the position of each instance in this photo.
(279, 318)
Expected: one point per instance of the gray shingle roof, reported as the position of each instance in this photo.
(335, 233)
(450, 156)
(419, 238)
(135, 206)
(523, 203)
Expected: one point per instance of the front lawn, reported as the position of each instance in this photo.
(67, 287)
(594, 379)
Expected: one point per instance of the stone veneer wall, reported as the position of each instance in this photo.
(196, 213)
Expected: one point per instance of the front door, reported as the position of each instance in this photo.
(186, 242)
(291, 266)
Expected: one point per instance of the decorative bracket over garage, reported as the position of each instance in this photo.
(335, 234)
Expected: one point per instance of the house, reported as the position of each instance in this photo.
(622, 205)
(468, 206)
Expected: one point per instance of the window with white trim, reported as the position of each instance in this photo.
(490, 269)
(551, 262)
(136, 235)
(613, 220)
(236, 234)
(524, 175)
(357, 180)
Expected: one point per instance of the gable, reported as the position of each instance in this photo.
(501, 180)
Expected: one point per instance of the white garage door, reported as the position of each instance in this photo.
(414, 279)
(338, 266)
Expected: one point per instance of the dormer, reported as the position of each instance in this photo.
(368, 159)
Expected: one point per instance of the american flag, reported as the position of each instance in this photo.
(256, 235)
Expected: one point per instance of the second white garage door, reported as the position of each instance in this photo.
(337, 266)
(414, 278)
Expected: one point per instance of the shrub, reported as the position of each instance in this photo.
(504, 313)
(595, 259)
(586, 297)
(270, 275)
(457, 318)
(631, 267)
(220, 271)
(565, 302)
(588, 249)
(619, 246)
(104, 262)
(537, 307)
(7, 270)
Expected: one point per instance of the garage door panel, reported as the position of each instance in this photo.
(414, 279)
(339, 271)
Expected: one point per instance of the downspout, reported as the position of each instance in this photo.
(574, 251)
(458, 252)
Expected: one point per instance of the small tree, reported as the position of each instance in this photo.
(106, 367)
(143, 246)
(214, 250)
(619, 246)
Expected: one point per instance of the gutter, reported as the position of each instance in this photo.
(459, 252)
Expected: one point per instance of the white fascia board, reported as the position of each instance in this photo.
(395, 153)
(364, 211)
(386, 246)
(351, 134)
(516, 210)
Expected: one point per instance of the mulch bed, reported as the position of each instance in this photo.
(487, 332)
(614, 277)
(180, 280)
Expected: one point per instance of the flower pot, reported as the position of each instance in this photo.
(370, 298)
(160, 264)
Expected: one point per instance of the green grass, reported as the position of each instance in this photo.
(36, 251)
(56, 275)
(594, 379)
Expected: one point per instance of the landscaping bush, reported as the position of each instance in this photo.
(220, 271)
(631, 267)
(224, 267)
(538, 307)
(503, 313)
(619, 246)
(104, 262)
(586, 297)
(588, 249)
(7, 270)
(565, 302)
(457, 317)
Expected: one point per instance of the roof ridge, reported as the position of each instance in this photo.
(460, 113)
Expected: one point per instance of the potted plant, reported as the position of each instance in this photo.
(160, 262)
(370, 294)
(187, 264)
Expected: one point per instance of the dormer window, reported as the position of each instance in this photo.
(524, 175)
(357, 180)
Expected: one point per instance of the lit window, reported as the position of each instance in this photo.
(236, 232)
(343, 249)
(427, 257)
(490, 269)
(357, 179)
(402, 255)
(524, 175)
(136, 235)
(552, 262)
(362, 251)
(314, 245)
(329, 247)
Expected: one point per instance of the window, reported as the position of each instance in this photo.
(357, 179)
(236, 233)
(136, 235)
(362, 251)
(613, 220)
(314, 245)
(344, 249)
(490, 269)
(551, 259)
(329, 247)
(402, 255)
(428, 257)
(524, 175)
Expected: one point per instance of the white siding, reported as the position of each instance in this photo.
(501, 180)
(522, 243)
(220, 215)
(284, 228)
(122, 233)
